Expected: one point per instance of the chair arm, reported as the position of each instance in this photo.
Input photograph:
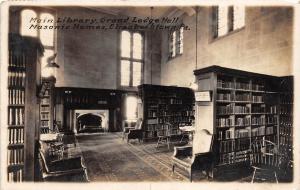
(180, 151)
(127, 129)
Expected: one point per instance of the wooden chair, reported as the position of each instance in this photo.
(265, 160)
(184, 158)
(164, 134)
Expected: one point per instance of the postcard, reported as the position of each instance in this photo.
(143, 95)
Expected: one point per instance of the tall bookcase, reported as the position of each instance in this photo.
(286, 102)
(245, 106)
(23, 78)
(161, 104)
(47, 104)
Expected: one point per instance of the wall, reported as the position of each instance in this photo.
(90, 58)
(264, 45)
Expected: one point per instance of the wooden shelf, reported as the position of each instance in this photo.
(258, 93)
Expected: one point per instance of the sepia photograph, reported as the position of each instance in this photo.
(152, 93)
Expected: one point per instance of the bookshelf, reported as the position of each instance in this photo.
(21, 109)
(161, 104)
(244, 107)
(47, 105)
(286, 101)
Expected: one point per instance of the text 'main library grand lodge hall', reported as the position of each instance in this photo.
(149, 94)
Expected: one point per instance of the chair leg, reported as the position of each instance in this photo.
(157, 142)
(276, 177)
(168, 143)
(253, 175)
(191, 175)
(173, 168)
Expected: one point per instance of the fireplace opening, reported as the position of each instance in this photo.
(91, 121)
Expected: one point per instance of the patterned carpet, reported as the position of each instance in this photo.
(108, 158)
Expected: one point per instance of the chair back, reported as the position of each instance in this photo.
(164, 130)
(139, 123)
(264, 153)
(202, 142)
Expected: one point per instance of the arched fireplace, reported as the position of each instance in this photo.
(91, 121)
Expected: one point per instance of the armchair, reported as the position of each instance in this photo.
(184, 158)
(66, 169)
(134, 133)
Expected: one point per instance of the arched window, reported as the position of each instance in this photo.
(31, 20)
(26, 16)
(131, 108)
(131, 58)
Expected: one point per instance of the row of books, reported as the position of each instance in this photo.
(258, 109)
(286, 110)
(242, 121)
(17, 60)
(225, 96)
(15, 156)
(243, 97)
(271, 120)
(182, 119)
(285, 131)
(45, 108)
(234, 145)
(286, 120)
(15, 135)
(272, 109)
(224, 122)
(239, 85)
(232, 109)
(242, 85)
(259, 131)
(45, 123)
(227, 158)
(257, 99)
(242, 156)
(258, 120)
(16, 96)
(16, 79)
(225, 84)
(16, 176)
(161, 113)
(233, 134)
(258, 87)
(285, 141)
(286, 98)
(16, 116)
(44, 116)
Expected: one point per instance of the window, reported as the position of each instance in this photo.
(176, 43)
(227, 19)
(131, 58)
(131, 108)
(28, 28)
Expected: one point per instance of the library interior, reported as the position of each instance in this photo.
(150, 94)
